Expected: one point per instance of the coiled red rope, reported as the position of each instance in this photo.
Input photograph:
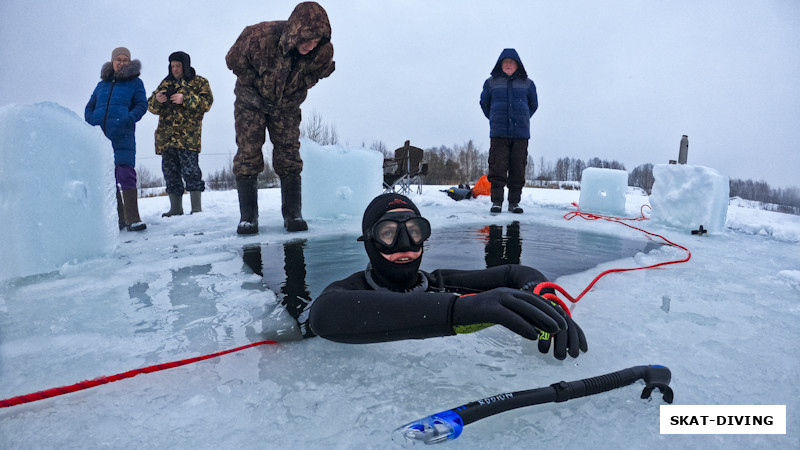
(620, 220)
(86, 384)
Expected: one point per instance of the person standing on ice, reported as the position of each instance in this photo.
(392, 299)
(180, 101)
(275, 64)
(117, 103)
(508, 100)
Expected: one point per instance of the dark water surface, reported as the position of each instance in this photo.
(299, 270)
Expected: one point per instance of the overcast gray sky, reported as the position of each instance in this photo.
(617, 79)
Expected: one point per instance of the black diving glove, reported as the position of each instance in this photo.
(572, 340)
(521, 312)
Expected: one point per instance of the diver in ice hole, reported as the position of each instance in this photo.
(392, 299)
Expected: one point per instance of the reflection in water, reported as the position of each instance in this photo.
(251, 255)
(294, 290)
(194, 306)
(290, 286)
(139, 292)
(186, 295)
(502, 250)
(553, 251)
(309, 266)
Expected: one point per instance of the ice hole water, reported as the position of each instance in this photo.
(298, 270)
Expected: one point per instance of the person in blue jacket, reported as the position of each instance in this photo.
(508, 100)
(117, 103)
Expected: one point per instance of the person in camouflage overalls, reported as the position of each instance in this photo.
(180, 102)
(275, 64)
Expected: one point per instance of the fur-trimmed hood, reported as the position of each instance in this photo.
(129, 72)
(308, 21)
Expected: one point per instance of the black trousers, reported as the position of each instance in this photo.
(507, 161)
(179, 165)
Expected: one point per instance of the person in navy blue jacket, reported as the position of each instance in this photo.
(117, 103)
(508, 100)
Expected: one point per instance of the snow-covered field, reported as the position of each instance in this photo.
(725, 323)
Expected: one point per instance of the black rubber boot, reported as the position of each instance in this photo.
(514, 196)
(130, 199)
(292, 204)
(197, 204)
(248, 205)
(496, 195)
(175, 206)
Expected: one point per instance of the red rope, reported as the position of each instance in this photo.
(86, 384)
(620, 220)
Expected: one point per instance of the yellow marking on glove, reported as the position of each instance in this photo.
(464, 329)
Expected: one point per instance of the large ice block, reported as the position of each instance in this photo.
(339, 180)
(603, 191)
(685, 197)
(57, 202)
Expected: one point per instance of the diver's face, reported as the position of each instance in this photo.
(387, 233)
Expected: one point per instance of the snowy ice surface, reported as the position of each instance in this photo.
(729, 334)
(725, 323)
(603, 191)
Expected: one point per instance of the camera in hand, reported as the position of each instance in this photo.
(169, 92)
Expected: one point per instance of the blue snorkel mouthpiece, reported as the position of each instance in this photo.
(434, 429)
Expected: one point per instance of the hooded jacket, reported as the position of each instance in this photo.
(265, 57)
(509, 101)
(117, 103)
(180, 126)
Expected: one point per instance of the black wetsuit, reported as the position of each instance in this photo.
(357, 310)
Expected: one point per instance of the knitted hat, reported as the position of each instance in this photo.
(120, 51)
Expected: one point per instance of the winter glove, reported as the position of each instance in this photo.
(249, 98)
(521, 312)
(571, 340)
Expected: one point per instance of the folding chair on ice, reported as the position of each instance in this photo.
(404, 170)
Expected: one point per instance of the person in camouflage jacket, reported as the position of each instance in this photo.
(180, 101)
(275, 64)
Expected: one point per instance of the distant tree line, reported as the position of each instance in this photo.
(782, 200)
(146, 179)
(223, 179)
(313, 127)
(465, 163)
